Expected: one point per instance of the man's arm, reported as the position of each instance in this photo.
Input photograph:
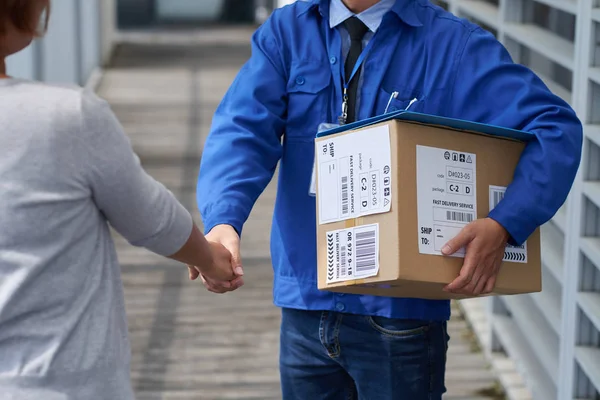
(490, 88)
(243, 148)
(244, 145)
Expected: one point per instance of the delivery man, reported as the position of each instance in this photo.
(319, 63)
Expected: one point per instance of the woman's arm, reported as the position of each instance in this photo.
(141, 209)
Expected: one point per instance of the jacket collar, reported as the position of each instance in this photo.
(403, 9)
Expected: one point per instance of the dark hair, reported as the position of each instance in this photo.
(20, 13)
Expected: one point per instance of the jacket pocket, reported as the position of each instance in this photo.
(388, 102)
(308, 98)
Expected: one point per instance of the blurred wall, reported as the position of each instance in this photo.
(141, 14)
(136, 13)
(79, 39)
(189, 9)
(281, 3)
(108, 18)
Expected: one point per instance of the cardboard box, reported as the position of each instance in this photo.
(391, 191)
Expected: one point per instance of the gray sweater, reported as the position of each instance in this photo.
(67, 170)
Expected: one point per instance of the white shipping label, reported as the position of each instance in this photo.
(352, 253)
(446, 196)
(354, 175)
(312, 190)
(517, 254)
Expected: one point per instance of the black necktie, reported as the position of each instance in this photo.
(357, 31)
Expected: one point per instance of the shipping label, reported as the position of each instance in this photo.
(516, 254)
(354, 175)
(446, 196)
(352, 253)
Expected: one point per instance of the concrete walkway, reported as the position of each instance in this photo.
(188, 343)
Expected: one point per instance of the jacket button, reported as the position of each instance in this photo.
(333, 59)
(300, 80)
(340, 307)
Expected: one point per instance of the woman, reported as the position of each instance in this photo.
(67, 170)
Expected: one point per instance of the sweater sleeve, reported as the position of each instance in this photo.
(141, 209)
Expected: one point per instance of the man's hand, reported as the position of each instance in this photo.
(228, 237)
(219, 269)
(485, 242)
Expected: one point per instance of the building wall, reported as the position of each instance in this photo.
(79, 39)
(108, 23)
(189, 9)
(281, 3)
(140, 14)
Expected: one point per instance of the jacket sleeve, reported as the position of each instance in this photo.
(490, 88)
(244, 145)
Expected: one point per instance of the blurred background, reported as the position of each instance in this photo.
(164, 65)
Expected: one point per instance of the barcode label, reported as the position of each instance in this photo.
(516, 254)
(366, 250)
(497, 196)
(352, 253)
(458, 216)
(345, 208)
(343, 260)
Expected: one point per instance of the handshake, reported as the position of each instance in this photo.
(225, 273)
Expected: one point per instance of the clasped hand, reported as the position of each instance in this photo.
(484, 241)
(227, 242)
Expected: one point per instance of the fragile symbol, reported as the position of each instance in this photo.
(511, 256)
(462, 158)
(330, 255)
(386, 191)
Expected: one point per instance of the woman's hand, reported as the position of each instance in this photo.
(221, 268)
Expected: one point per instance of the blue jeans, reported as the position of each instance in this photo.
(336, 356)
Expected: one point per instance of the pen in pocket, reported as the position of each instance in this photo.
(413, 101)
(394, 96)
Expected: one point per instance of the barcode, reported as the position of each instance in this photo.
(343, 260)
(497, 196)
(366, 250)
(458, 216)
(344, 195)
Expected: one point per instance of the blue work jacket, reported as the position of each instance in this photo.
(293, 82)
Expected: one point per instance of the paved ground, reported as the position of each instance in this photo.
(188, 343)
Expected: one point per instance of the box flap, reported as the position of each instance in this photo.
(437, 121)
